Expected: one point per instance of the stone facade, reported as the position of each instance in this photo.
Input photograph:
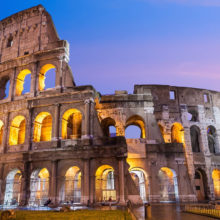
(56, 143)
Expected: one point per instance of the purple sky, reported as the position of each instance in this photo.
(115, 44)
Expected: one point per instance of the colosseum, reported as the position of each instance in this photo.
(67, 143)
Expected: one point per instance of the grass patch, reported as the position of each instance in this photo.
(73, 215)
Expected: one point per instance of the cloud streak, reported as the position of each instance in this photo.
(207, 3)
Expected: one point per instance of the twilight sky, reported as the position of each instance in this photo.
(115, 44)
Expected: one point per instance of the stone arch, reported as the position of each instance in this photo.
(17, 130)
(39, 187)
(105, 183)
(168, 184)
(1, 131)
(5, 84)
(106, 124)
(138, 121)
(42, 75)
(193, 115)
(201, 184)
(13, 188)
(43, 127)
(161, 127)
(72, 124)
(212, 139)
(141, 181)
(177, 133)
(21, 80)
(70, 192)
(216, 182)
(195, 138)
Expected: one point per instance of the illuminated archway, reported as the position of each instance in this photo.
(168, 185)
(216, 182)
(72, 124)
(20, 81)
(13, 188)
(137, 121)
(72, 189)
(17, 130)
(105, 183)
(43, 127)
(108, 127)
(39, 187)
(140, 179)
(177, 133)
(42, 74)
(1, 131)
(162, 131)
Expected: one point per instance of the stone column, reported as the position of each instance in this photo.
(34, 79)
(59, 73)
(53, 182)
(92, 109)
(86, 182)
(6, 131)
(1, 184)
(86, 132)
(121, 182)
(92, 188)
(12, 85)
(56, 121)
(25, 185)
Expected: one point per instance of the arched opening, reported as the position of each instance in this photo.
(43, 127)
(168, 185)
(216, 182)
(39, 187)
(47, 77)
(72, 124)
(108, 127)
(140, 179)
(23, 82)
(1, 131)
(211, 133)
(195, 138)
(17, 130)
(13, 188)
(105, 184)
(72, 191)
(162, 131)
(177, 133)
(201, 185)
(192, 115)
(135, 127)
(4, 87)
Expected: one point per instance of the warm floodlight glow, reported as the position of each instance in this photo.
(17, 130)
(216, 182)
(177, 133)
(20, 81)
(42, 74)
(1, 131)
(71, 124)
(43, 127)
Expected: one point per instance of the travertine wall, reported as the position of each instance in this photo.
(28, 41)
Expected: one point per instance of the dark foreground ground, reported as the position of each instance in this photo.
(170, 212)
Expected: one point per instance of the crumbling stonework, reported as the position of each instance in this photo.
(56, 143)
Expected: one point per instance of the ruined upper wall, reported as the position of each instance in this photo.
(26, 32)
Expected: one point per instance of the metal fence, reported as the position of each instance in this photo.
(208, 210)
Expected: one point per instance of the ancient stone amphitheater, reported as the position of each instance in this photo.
(67, 143)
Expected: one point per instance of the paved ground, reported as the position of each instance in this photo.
(170, 212)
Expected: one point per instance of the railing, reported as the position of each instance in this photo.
(209, 210)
